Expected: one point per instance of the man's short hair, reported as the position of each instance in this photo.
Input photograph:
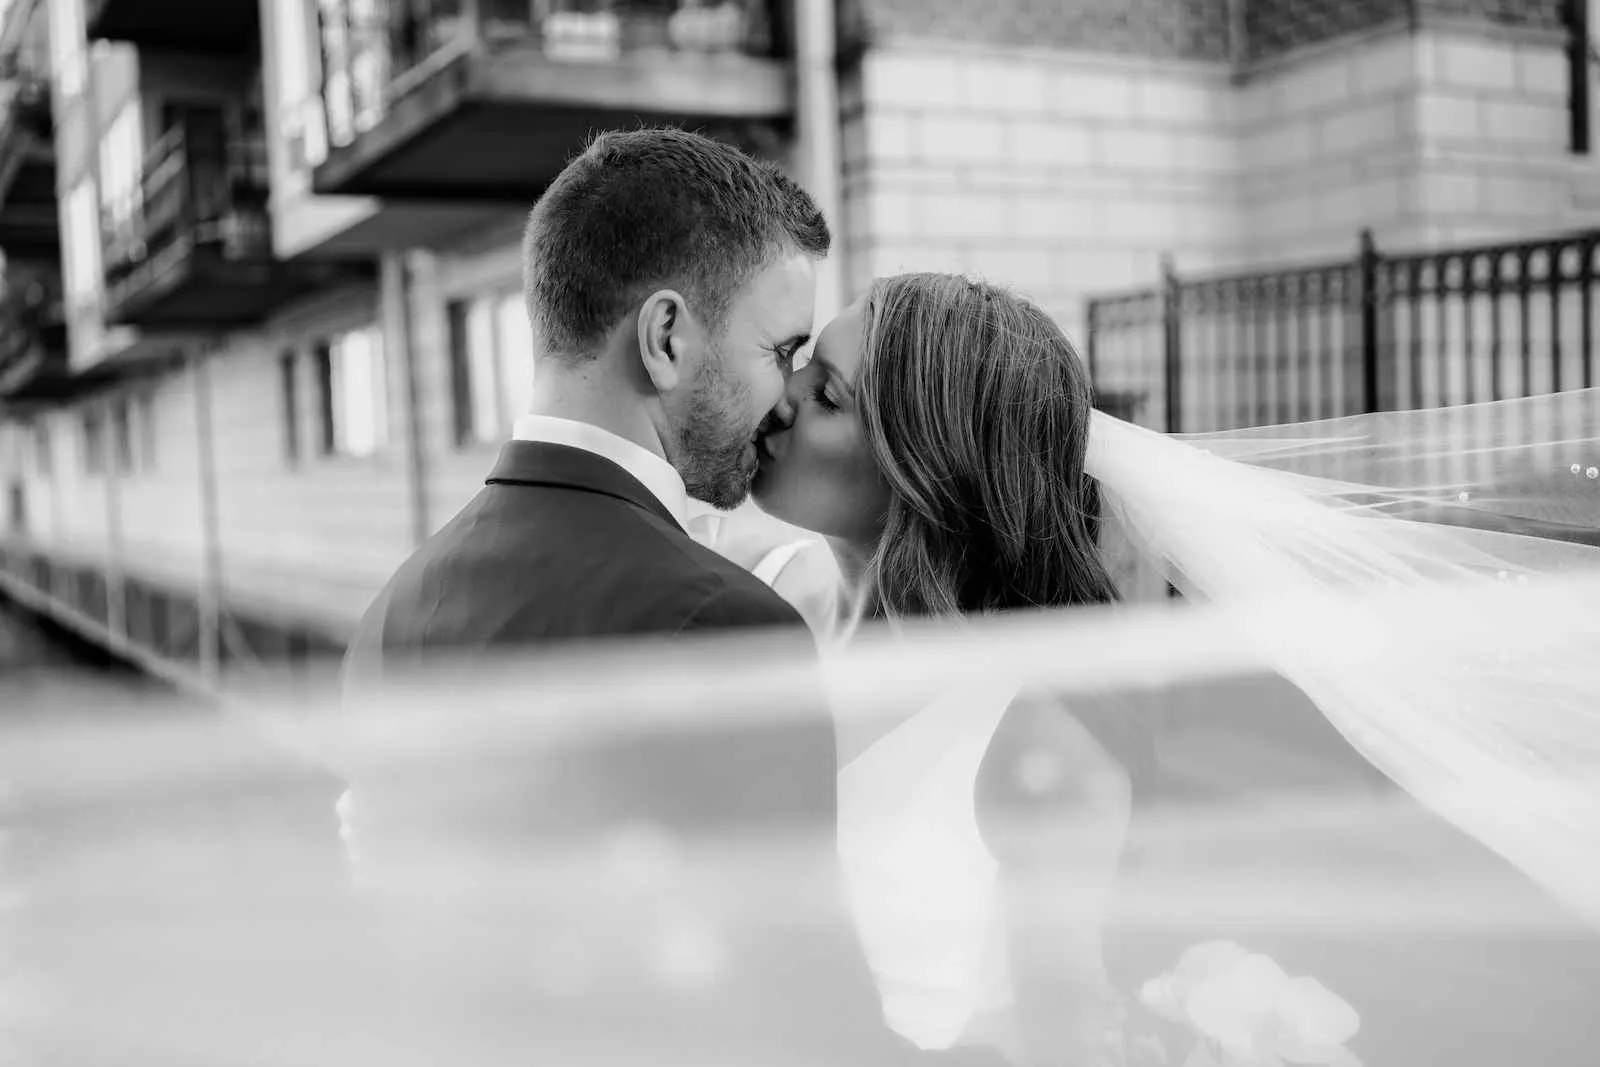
(650, 208)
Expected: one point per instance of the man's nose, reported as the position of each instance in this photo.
(788, 402)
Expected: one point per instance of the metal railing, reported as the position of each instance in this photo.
(200, 188)
(32, 327)
(1375, 332)
(25, 99)
(376, 51)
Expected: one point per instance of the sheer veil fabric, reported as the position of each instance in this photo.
(1506, 747)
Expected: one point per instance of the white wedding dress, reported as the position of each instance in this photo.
(920, 882)
(1491, 728)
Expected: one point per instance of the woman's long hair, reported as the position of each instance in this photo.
(977, 409)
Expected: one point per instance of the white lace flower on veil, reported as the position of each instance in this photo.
(1246, 1011)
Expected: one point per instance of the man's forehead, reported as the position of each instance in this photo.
(781, 298)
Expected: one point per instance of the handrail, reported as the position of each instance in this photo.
(369, 62)
(182, 194)
(1373, 332)
(1428, 256)
(25, 91)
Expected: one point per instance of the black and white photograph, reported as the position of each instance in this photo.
(809, 533)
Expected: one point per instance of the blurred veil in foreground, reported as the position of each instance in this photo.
(547, 867)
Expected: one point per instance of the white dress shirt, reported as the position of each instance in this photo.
(652, 471)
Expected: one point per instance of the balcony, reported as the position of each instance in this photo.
(29, 222)
(203, 26)
(191, 250)
(33, 337)
(487, 99)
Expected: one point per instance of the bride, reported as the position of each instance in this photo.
(940, 441)
(937, 438)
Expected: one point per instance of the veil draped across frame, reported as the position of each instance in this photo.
(1506, 747)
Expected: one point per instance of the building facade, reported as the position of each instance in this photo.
(262, 323)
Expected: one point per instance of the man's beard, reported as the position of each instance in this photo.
(713, 454)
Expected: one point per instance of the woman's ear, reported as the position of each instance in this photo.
(662, 320)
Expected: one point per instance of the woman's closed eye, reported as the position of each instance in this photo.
(819, 393)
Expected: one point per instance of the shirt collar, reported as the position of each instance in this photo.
(704, 522)
(652, 471)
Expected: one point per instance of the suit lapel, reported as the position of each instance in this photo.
(537, 463)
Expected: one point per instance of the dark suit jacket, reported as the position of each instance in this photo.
(560, 545)
(564, 546)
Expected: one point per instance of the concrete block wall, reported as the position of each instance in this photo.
(1067, 173)
(70, 503)
(1326, 145)
(1052, 172)
(1453, 134)
(1493, 138)
(159, 532)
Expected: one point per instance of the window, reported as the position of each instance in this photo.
(491, 365)
(323, 365)
(122, 435)
(122, 168)
(81, 246)
(94, 443)
(353, 393)
(69, 46)
(289, 397)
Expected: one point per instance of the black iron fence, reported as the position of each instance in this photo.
(1375, 332)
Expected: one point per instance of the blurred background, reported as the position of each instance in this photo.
(261, 330)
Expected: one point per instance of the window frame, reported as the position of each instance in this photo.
(467, 393)
(335, 378)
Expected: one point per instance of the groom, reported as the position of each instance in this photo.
(670, 281)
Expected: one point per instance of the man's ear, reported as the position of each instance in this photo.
(663, 324)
